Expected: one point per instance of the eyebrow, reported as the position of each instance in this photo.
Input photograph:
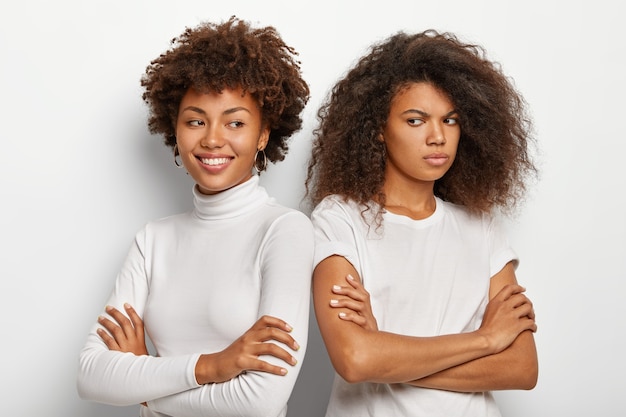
(423, 113)
(226, 112)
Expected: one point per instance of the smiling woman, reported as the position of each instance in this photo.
(226, 97)
(218, 135)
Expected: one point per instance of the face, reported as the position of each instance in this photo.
(218, 135)
(421, 135)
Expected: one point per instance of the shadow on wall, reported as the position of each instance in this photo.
(310, 395)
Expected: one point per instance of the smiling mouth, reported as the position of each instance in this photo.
(214, 161)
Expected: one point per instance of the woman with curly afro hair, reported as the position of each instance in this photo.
(415, 293)
(223, 290)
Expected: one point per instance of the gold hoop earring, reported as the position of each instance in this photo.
(261, 165)
(176, 155)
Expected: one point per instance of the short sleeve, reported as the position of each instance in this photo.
(334, 231)
(500, 249)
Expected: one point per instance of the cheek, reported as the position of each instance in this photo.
(245, 145)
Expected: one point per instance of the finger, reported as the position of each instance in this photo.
(525, 310)
(276, 351)
(355, 283)
(519, 300)
(358, 295)
(508, 290)
(353, 317)
(113, 329)
(108, 340)
(262, 366)
(347, 303)
(121, 319)
(135, 320)
(272, 333)
(529, 324)
(270, 321)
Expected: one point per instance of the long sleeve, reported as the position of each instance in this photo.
(285, 259)
(122, 378)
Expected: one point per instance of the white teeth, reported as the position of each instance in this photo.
(214, 161)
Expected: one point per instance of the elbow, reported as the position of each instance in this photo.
(527, 375)
(531, 378)
(352, 365)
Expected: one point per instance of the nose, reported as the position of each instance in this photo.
(436, 135)
(212, 139)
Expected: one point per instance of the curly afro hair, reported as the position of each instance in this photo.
(493, 159)
(232, 54)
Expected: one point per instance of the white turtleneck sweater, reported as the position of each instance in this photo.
(199, 280)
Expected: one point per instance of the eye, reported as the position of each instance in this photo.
(195, 123)
(452, 121)
(236, 124)
(415, 122)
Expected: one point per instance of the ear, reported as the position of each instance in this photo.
(381, 138)
(264, 137)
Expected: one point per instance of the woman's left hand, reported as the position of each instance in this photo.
(357, 302)
(127, 335)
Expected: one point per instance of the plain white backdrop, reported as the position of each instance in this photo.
(80, 174)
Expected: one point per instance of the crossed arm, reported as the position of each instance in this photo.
(254, 375)
(499, 355)
(127, 334)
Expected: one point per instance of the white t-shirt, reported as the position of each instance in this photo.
(425, 278)
(200, 280)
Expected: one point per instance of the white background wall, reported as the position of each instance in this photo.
(80, 174)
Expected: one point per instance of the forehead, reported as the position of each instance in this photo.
(227, 98)
(422, 95)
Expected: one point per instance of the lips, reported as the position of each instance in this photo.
(437, 159)
(214, 161)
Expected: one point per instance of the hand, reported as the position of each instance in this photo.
(125, 336)
(358, 302)
(507, 315)
(243, 354)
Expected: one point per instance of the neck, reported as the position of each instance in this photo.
(416, 201)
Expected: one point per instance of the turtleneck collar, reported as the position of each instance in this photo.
(230, 203)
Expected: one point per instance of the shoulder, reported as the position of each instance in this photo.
(281, 216)
(487, 223)
(338, 205)
(167, 222)
(462, 213)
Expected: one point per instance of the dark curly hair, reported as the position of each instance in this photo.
(493, 160)
(232, 54)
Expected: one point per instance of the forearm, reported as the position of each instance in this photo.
(391, 358)
(118, 378)
(250, 394)
(514, 368)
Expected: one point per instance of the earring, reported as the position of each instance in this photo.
(261, 165)
(177, 154)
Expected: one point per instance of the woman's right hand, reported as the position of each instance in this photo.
(507, 315)
(243, 354)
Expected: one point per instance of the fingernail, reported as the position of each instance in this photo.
(336, 287)
(126, 305)
(334, 302)
(108, 308)
(296, 346)
(342, 315)
(350, 277)
(289, 328)
(283, 371)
